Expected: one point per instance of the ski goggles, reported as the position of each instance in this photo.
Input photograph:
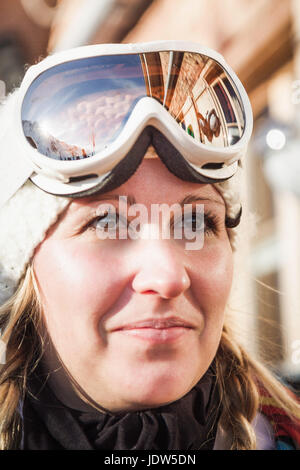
(84, 118)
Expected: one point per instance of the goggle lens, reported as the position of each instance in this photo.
(78, 108)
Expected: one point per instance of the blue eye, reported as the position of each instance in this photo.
(107, 220)
(194, 221)
(197, 221)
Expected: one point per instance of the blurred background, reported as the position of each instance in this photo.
(260, 40)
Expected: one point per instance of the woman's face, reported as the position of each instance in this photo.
(137, 322)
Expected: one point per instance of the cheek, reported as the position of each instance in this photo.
(71, 277)
(212, 280)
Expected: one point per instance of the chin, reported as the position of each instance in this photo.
(157, 394)
(138, 404)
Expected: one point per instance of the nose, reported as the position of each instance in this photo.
(161, 269)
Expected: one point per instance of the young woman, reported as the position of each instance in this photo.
(118, 222)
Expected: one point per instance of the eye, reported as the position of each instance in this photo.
(108, 221)
(196, 221)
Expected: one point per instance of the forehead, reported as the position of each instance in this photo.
(154, 183)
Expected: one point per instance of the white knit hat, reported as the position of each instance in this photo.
(24, 221)
(30, 212)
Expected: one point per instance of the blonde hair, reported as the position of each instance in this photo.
(237, 374)
(19, 326)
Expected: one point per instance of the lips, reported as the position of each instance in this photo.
(156, 323)
(156, 330)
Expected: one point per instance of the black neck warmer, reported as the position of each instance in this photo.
(189, 423)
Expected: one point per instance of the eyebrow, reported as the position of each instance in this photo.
(188, 199)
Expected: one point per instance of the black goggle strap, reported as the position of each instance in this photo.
(122, 171)
(175, 162)
(168, 154)
(232, 222)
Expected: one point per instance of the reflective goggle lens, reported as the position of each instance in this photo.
(77, 108)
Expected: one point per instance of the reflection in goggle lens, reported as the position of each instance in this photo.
(76, 109)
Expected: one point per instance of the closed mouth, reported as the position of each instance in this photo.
(156, 323)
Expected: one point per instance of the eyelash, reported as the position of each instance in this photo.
(211, 221)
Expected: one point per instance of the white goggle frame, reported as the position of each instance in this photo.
(19, 161)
